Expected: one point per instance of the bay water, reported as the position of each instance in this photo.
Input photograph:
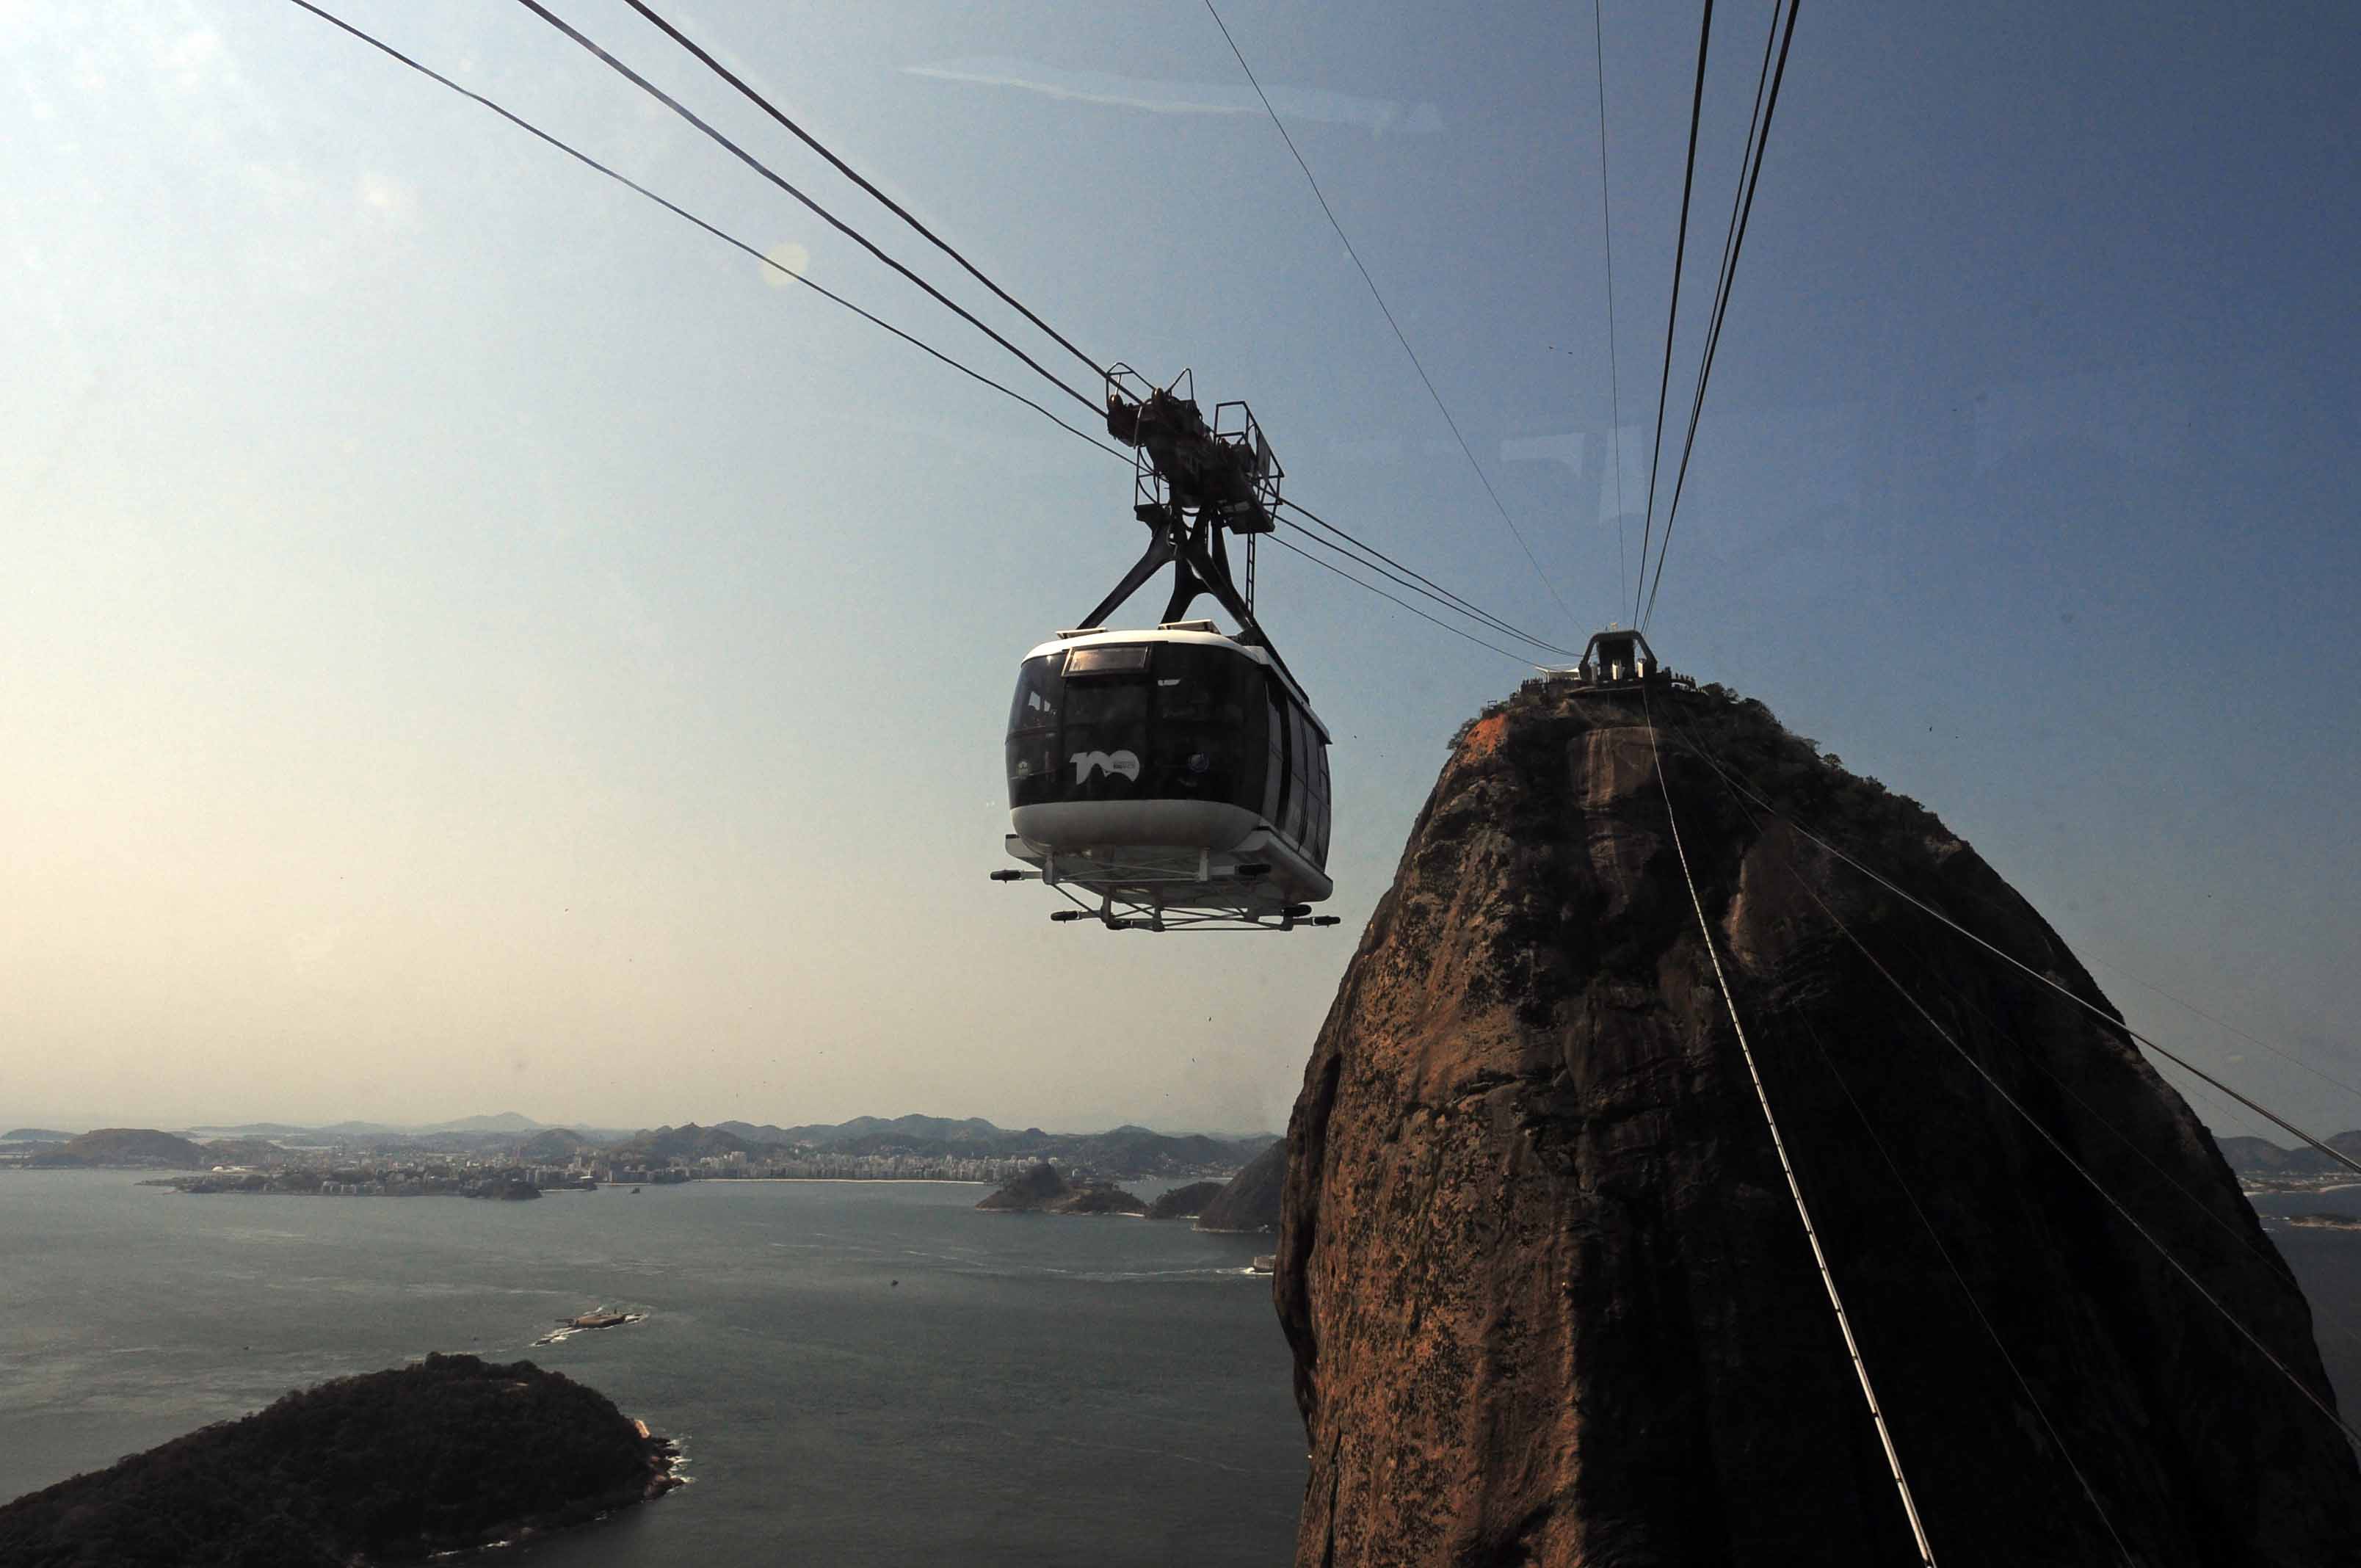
(859, 1372)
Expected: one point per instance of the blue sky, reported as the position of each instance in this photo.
(473, 642)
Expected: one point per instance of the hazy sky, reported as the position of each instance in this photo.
(469, 641)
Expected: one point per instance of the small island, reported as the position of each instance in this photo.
(583, 1322)
(2316, 1221)
(446, 1455)
(1042, 1190)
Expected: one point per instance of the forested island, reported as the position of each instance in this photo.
(1042, 1190)
(446, 1454)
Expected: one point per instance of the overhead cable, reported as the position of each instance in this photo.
(723, 234)
(1779, 1143)
(1472, 610)
(2228, 1027)
(2339, 1155)
(1439, 594)
(1673, 314)
(2024, 1387)
(1381, 593)
(1733, 242)
(1606, 233)
(1805, 884)
(759, 167)
(1350, 553)
(2252, 1243)
(854, 175)
(1469, 452)
(2079, 1169)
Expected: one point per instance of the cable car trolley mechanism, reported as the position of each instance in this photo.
(1174, 779)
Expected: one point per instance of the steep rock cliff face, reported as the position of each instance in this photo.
(1549, 1297)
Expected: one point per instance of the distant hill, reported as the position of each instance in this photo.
(555, 1145)
(141, 1146)
(1251, 1202)
(1136, 1151)
(971, 1134)
(1185, 1202)
(1100, 1200)
(1126, 1152)
(241, 1151)
(687, 1142)
(251, 1130)
(1036, 1188)
(1042, 1190)
(437, 1457)
(33, 1136)
(2262, 1156)
(499, 1122)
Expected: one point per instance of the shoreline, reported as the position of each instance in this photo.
(811, 1180)
(664, 1460)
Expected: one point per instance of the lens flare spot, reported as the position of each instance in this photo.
(785, 258)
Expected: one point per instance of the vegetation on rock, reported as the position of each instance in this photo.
(1183, 1202)
(1250, 1201)
(448, 1453)
(141, 1146)
(1042, 1190)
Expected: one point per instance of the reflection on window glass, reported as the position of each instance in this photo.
(1190, 723)
(1038, 689)
(1274, 787)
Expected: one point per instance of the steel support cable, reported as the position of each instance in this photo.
(1794, 1189)
(2097, 1117)
(2228, 1027)
(1991, 1333)
(1471, 608)
(1732, 245)
(2252, 1244)
(732, 240)
(2268, 1257)
(854, 175)
(1348, 553)
(1723, 272)
(723, 234)
(1748, 169)
(2101, 1014)
(2079, 1169)
(1673, 315)
(1381, 593)
(1440, 593)
(1443, 407)
(759, 167)
(1607, 234)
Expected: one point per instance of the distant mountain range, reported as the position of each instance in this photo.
(498, 1122)
(1129, 1151)
(2262, 1156)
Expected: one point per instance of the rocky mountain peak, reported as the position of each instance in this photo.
(1548, 1293)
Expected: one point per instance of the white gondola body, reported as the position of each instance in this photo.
(1176, 772)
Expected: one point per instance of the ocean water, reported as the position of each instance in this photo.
(1032, 1391)
(859, 1372)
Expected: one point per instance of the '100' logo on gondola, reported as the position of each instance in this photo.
(1088, 762)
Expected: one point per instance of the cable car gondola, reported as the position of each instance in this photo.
(1174, 778)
